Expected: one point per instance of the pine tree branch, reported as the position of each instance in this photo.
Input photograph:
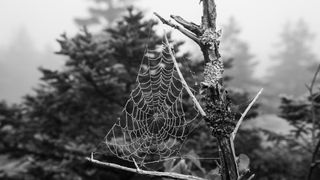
(183, 31)
(170, 175)
(245, 113)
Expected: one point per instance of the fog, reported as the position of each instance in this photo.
(42, 21)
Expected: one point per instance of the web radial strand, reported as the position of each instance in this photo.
(154, 123)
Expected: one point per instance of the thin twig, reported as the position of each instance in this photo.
(313, 107)
(146, 173)
(315, 77)
(316, 163)
(245, 113)
(251, 177)
(306, 143)
(194, 99)
(135, 163)
(303, 146)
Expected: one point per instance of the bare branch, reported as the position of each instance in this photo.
(183, 31)
(196, 29)
(209, 14)
(314, 78)
(314, 162)
(146, 173)
(194, 99)
(310, 88)
(245, 113)
(251, 177)
(207, 38)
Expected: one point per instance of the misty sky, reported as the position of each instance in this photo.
(261, 22)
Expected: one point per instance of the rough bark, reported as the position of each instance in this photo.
(215, 100)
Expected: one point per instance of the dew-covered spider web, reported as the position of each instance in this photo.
(158, 116)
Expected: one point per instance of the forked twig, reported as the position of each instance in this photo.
(146, 173)
(245, 113)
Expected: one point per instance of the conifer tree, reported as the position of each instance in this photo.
(71, 111)
(293, 60)
(302, 113)
(73, 108)
(238, 51)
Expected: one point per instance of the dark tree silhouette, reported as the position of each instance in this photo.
(72, 110)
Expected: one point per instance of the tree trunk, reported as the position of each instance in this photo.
(215, 100)
(219, 116)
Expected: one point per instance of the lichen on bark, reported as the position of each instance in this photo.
(215, 100)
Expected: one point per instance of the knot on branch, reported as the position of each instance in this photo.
(219, 116)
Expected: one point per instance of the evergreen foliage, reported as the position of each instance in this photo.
(71, 111)
(50, 133)
(299, 149)
(74, 107)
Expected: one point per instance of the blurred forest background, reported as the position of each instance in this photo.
(56, 108)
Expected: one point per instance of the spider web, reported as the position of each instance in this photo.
(158, 115)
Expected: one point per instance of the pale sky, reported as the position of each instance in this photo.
(261, 21)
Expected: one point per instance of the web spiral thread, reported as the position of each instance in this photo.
(158, 116)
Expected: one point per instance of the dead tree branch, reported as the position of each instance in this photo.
(170, 175)
(216, 103)
(245, 113)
